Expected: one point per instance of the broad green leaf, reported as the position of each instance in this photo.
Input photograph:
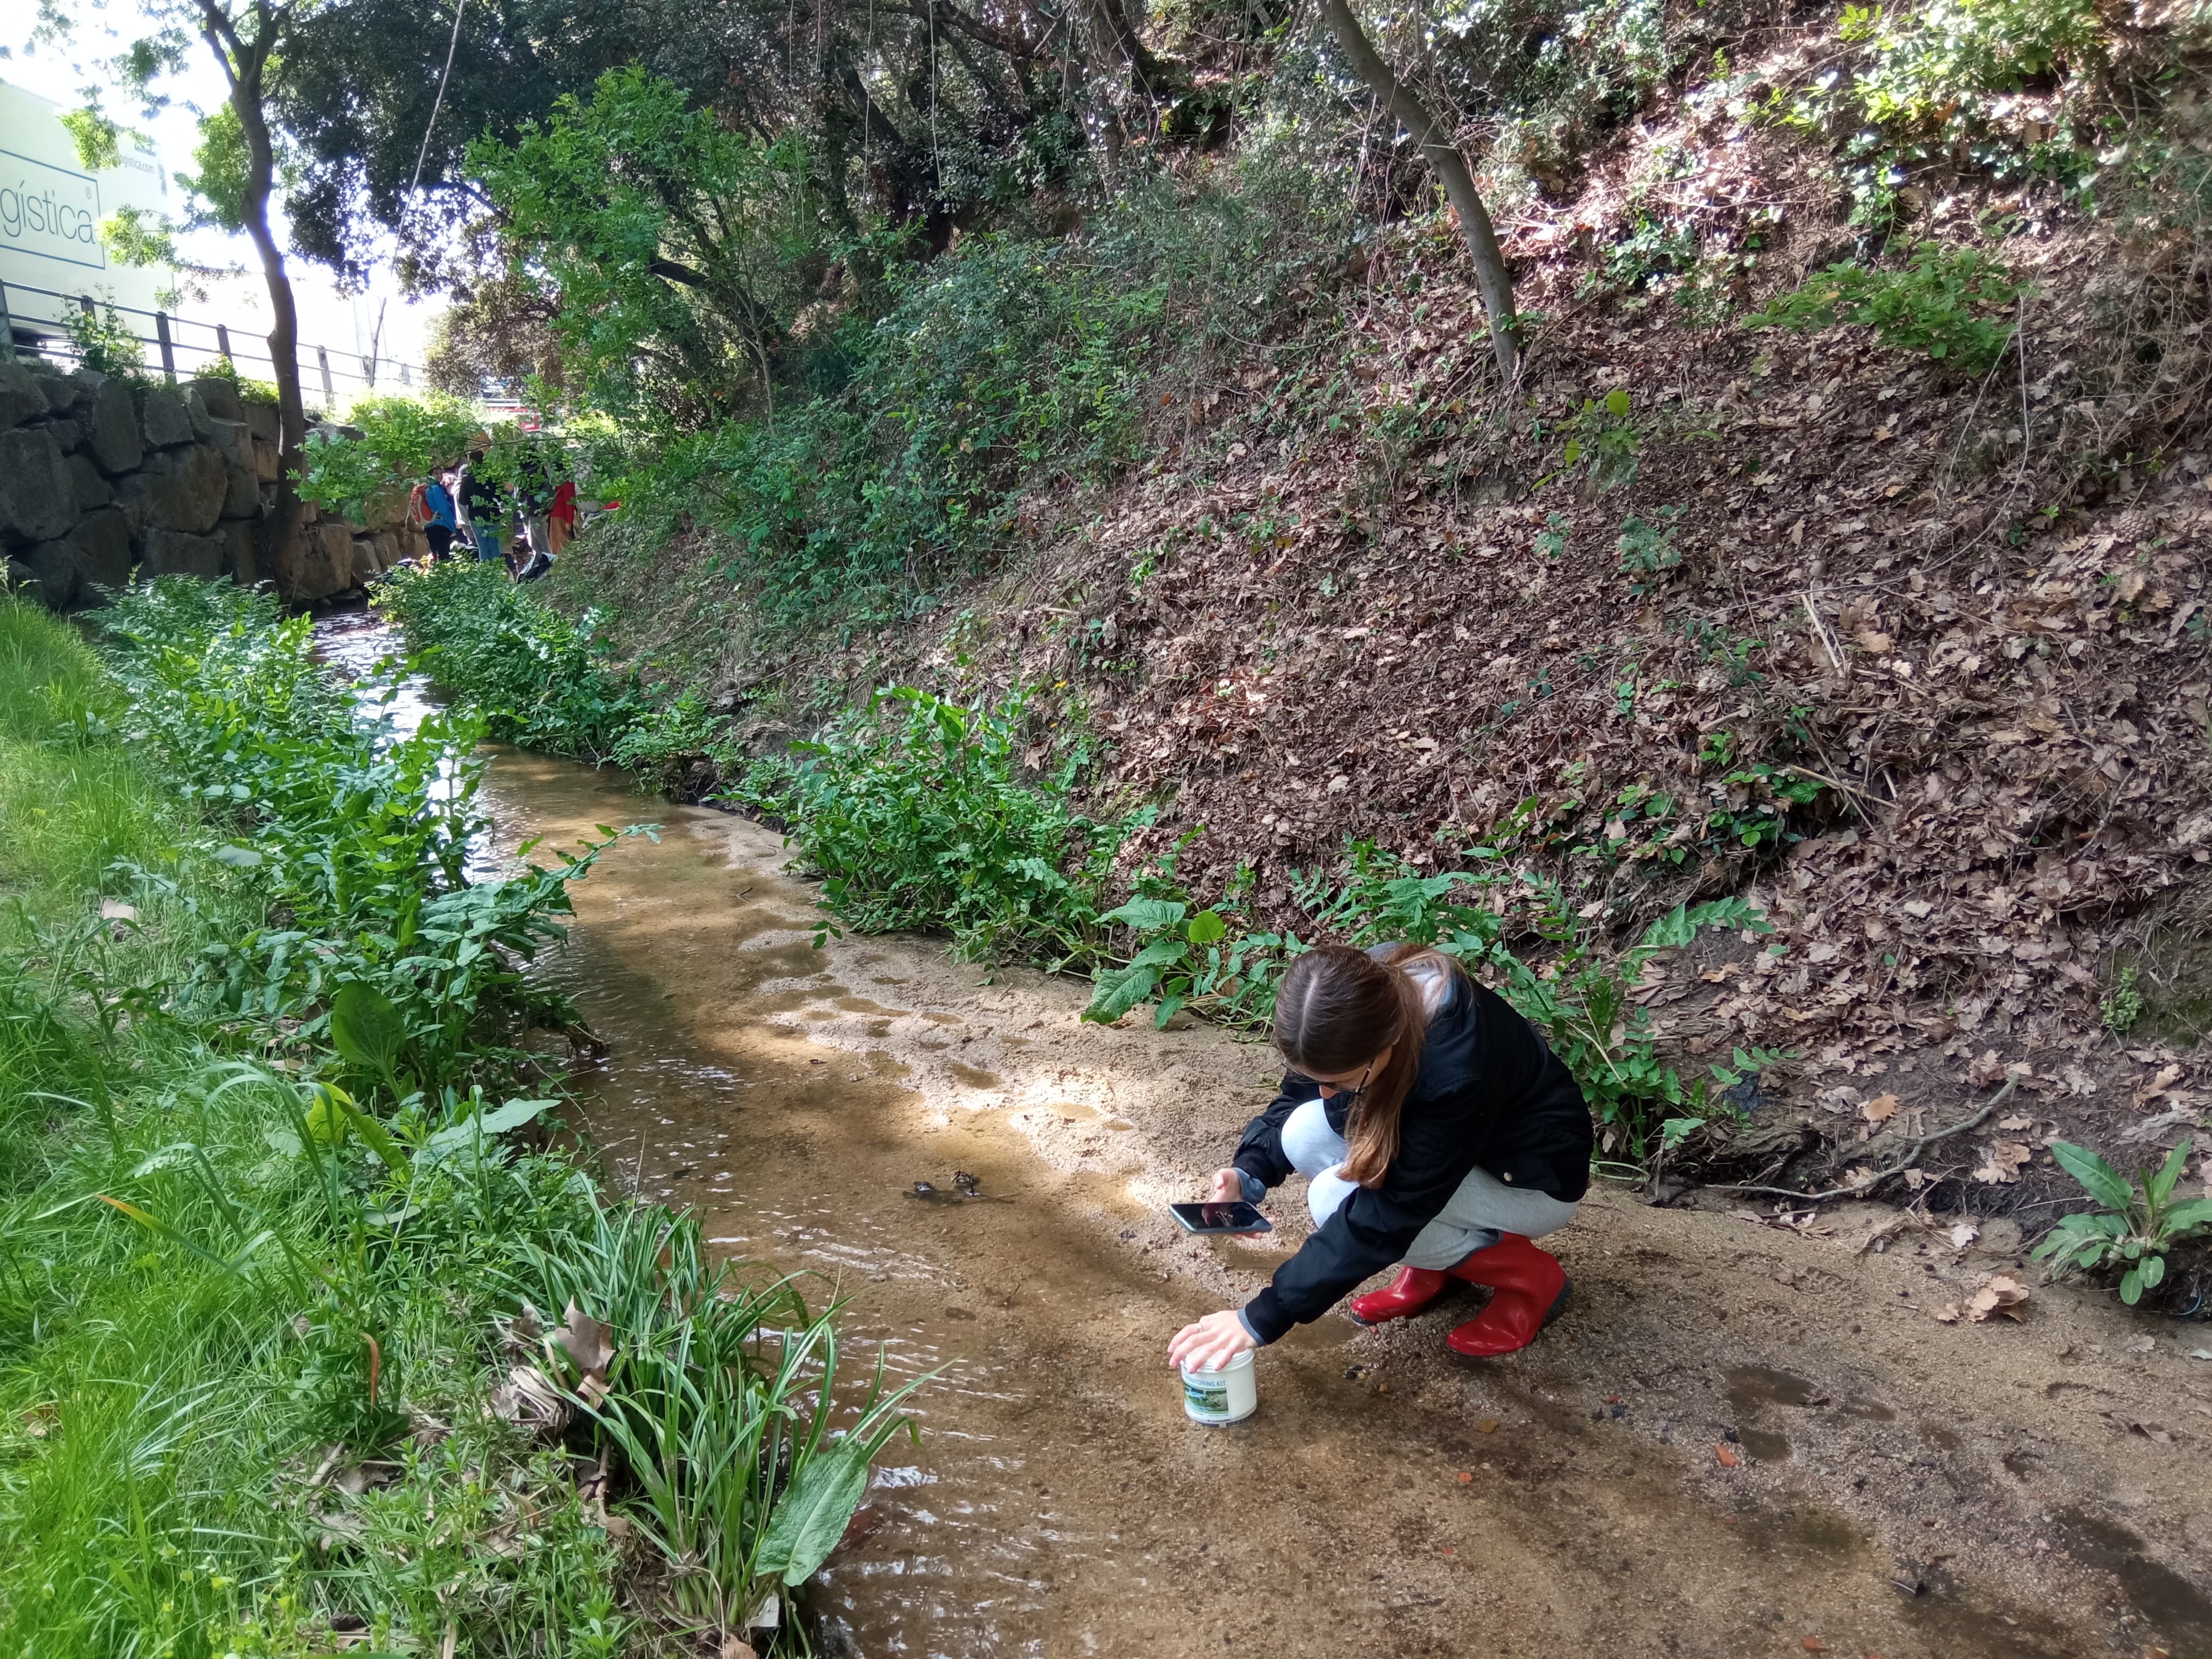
(515, 1115)
(2097, 1178)
(1207, 927)
(1148, 915)
(2162, 1184)
(813, 1513)
(2184, 1219)
(366, 1029)
(2153, 1271)
(2132, 1286)
(1616, 401)
(1169, 1008)
(1160, 953)
(1120, 990)
(326, 1118)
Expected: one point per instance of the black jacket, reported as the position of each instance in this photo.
(1489, 1093)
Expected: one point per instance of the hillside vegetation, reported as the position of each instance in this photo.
(1835, 548)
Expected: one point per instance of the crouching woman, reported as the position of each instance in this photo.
(1437, 1132)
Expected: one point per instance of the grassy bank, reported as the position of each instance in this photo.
(306, 1330)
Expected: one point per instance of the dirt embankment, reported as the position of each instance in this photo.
(1741, 1439)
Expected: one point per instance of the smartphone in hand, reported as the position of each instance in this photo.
(1234, 1217)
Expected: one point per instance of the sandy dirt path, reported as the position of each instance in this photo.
(1740, 1440)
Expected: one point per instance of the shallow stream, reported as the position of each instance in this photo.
(1058, 1503)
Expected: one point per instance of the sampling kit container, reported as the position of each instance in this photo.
(1228, 1395)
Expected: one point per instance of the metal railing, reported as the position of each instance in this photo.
(183, 345)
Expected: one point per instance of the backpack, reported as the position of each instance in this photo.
(418, 507)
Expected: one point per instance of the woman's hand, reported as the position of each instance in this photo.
(1228, 1187)
(1212, 1342)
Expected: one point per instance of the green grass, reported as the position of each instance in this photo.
(71, 804)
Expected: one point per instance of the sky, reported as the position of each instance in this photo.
(342, 322)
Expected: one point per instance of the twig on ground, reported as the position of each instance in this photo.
(1857, 1187)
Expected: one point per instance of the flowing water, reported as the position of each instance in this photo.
(1058, 1501)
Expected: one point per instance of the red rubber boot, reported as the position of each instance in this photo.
(1412, 1290)
(1530, 1287)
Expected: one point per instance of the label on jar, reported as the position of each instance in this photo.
(1206, 1399)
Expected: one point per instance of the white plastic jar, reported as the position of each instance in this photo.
(1228, 1395)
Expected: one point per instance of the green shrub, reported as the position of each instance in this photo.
(1578, 998)
(402, 440)
(1939, 303)
(915, 813)
(358, 839)
(1647, 551)
(104, 342)
(2133, 1227)
(903, 457)
(1934, 85)
(1943, 65)
(536, 676)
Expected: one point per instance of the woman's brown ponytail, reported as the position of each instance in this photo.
(1338, 1008)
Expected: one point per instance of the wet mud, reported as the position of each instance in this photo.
(1606, 1491)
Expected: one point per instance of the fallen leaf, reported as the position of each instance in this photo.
(589, 1344)
(532, 1399)
(1999, 1293)
(733, 1648)
(1466, 1477)
(2131, 1423)
(1875, 644)
(1947, 1314)
(1880, 1110)
(1814, 1645)
(117, 910)
(1486, 1425)
(1963, 1235)
(2001, 1162)
(2139, 1345)
(1728, 1459)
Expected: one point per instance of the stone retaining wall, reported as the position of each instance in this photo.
(102, 478)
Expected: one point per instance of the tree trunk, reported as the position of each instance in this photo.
(1492, 279)
(243, 64)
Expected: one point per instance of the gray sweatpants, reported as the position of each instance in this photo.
(1471, 1220)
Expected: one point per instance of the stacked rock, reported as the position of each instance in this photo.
(102, 477)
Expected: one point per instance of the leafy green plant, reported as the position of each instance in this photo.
(1648, 550)
(535, 674)
(913, 812)
(402, 440)
(1940, 303)
(1604, 435)
(1654, 249)
(1188, 960)
(2136, 1224)
(2123, 1005)
(717, 1392)
(1577, 994)
(104, 342)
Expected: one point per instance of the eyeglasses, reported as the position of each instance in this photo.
(1349, 1096)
